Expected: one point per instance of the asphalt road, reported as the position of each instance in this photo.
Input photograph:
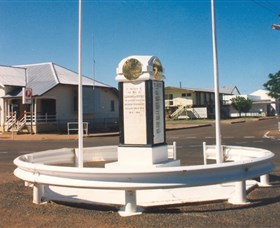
(249, 134)
(17, 210)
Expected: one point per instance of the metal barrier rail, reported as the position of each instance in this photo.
(36, 168)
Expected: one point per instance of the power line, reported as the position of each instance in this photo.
(268, 6)
(273, 5)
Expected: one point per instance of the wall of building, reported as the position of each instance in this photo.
(2, 93)
(104, 102)
(100, 106)
(64, 96)
(184, 98)
(257, 110)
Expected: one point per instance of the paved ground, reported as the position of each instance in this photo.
(17, 210)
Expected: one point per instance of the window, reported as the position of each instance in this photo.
(48, 106)
(75, 103)
(184, 95)
(112, 105)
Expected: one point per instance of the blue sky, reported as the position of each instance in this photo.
(177, 32)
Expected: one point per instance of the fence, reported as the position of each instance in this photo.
(74, 126)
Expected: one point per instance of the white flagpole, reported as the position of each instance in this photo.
(80, 91)
(93, 62)
(219, 155)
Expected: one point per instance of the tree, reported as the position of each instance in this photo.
(242, 104)
(273, 85)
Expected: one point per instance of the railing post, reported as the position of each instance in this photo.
(204, 153)
(130, 207)
(174, 151)
(264, 181)
(38, 193)
(239, 196)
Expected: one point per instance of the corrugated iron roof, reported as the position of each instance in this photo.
(230, 90)
(41, 78)
(68, 77)
(13, 76)
(44, 76)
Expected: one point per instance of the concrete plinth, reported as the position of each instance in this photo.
(143, 157)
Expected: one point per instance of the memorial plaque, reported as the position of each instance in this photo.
(132, 69)
(158, 112)
(134, 113)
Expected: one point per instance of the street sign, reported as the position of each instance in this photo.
(26, 95)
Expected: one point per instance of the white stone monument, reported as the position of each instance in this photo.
(142, 121)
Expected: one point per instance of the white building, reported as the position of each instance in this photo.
(54, 99)
(263, 104)
(194, 102)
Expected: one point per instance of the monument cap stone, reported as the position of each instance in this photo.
(138, 67)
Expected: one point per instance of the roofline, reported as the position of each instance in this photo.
(235, 87)
(54, 73)
(49, 90)
(83, 76)
(178, 88)
(19, 67)
(33, 64)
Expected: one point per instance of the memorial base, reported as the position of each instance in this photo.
(142, 157)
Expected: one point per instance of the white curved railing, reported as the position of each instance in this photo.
(38, 169)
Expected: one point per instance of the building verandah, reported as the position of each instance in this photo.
(18, 117)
